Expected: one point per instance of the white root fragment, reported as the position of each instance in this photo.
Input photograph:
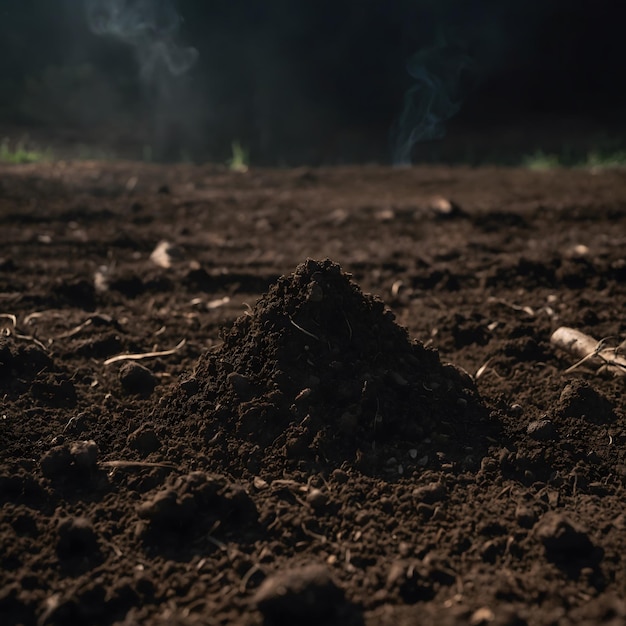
(145, 355)
(483, 368)
(515, 307)
(132, 464)
(10, 317)
(216, 304)
(589, 351)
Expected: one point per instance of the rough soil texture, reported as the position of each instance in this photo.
(350, 411)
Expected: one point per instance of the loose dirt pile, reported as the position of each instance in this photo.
(319, 375)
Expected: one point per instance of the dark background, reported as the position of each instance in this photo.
(318, 81)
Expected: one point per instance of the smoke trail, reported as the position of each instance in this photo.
(435, 96)
(150, 27)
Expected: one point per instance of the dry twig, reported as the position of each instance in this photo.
(75, 330)
(589, 351)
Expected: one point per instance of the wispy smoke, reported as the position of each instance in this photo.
(150, 27)
(435, 96)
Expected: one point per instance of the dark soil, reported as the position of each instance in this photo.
(293, 449)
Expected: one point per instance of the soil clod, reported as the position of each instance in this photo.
(77, 538)
(542, 430)
(137, 379)
(56, 462)
(198, 496)
(144, 440)
(301, 595)
(562, 538)
(579, 399)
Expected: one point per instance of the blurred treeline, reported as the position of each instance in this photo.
(305, 81)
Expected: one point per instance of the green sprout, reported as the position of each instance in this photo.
(240, 159)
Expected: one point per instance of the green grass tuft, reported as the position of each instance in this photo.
(596, 159)
(19, 153)
(539, 160)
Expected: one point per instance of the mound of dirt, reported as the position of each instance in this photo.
(319, 373)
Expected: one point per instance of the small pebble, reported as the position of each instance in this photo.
(443, 208)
